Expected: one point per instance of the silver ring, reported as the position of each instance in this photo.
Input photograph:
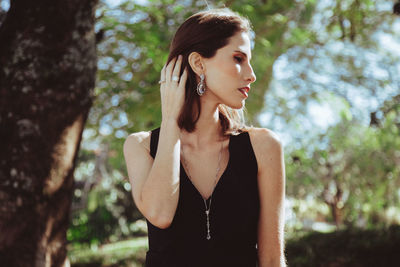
(160, 82)
(175, 78)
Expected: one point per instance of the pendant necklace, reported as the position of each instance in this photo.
(205, 203)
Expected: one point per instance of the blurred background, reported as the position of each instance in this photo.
(327, 83)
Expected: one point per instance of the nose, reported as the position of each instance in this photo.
(251, 77)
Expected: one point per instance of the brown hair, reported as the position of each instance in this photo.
(205, 32)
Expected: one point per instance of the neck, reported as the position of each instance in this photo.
(208, 129)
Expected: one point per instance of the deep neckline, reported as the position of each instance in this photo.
(219, 179)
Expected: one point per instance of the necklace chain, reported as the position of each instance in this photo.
(215, 183)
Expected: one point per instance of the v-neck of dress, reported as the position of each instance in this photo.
(220, 178)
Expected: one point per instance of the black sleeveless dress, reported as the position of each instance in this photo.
(233, 217)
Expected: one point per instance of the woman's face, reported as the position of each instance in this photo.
(230, 70)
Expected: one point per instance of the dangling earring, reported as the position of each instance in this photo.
(201, 87)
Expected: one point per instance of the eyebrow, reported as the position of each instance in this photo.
(241, 53)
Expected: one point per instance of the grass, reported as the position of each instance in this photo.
(123, 253)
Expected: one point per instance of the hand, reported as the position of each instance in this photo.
(172, 92)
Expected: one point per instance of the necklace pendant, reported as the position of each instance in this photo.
(208, 226)
(188, 174)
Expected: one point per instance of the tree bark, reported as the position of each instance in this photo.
(47, 76)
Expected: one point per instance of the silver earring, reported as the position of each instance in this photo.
(201, 87)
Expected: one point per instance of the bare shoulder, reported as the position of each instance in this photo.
(262, 138)
(267, 146)
(142, 138)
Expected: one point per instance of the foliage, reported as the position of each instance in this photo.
(107, 213)
(351, 247)
(357, 172)
(94, 224)
(361, 69)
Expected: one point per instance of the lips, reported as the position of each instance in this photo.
(244, 91)
(245, 88)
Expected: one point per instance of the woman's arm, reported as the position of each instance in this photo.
(155, 183)
(271, 180)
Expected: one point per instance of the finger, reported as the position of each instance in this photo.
(162, 77)
(182, 81)
(170, 67)
(177, 67)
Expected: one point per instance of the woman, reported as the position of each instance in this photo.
(224, 205)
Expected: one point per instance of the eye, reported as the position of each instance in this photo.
(238, 59)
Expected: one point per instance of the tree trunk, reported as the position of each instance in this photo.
(47, 76)
(334, 201)
(336, 214)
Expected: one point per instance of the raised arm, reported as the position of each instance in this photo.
(155, 183)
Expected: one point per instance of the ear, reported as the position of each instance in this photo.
(196, 62)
